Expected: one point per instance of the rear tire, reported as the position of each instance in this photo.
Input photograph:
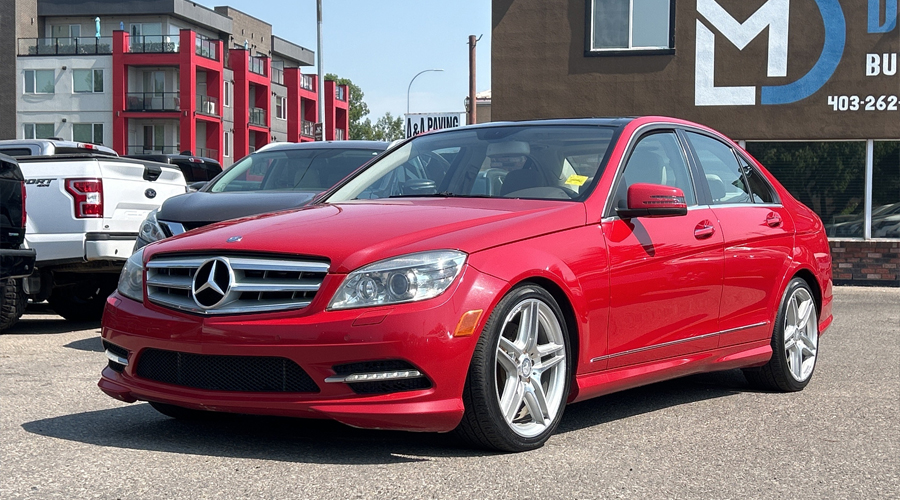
(518, 380)
(12, 303)
(795, 343)
(84, 300)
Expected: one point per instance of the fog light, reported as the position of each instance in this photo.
(467, 323)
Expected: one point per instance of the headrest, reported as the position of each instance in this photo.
(508, 148)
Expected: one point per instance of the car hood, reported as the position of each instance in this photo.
(206, 207)
(354, 234)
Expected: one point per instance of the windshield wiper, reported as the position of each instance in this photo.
(444, 194)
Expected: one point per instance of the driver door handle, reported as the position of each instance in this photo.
(703, 230)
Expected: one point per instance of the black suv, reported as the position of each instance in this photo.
(194, 168)
(15, 261)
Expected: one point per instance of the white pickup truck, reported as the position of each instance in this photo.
(84, 208)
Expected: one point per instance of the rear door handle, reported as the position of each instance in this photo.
(773, 220)
(704, 230)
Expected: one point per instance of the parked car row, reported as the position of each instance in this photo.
(473, 280)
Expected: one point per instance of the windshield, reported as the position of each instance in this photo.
(534, 161)
(292, 170)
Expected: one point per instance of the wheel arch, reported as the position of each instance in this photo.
(810, 279)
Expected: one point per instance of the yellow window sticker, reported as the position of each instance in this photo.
(576, 180)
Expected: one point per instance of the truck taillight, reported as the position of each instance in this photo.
(24, 216)
(88, 196)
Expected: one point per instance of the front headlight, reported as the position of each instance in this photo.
(131, 280)
(151, 230)
(408, 278)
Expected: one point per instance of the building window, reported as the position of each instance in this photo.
(38, 130)
(39, 81)
(226, 97)
(828, 177)
(226, 145)
(615, 25)
(87, 132)
(280, 107)
(87, 80)
(886, 189)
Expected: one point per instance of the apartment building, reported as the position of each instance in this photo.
(168, 76)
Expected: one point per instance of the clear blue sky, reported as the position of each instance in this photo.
(381, 45)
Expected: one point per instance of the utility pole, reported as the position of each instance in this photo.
(321, 85)
(472, 102)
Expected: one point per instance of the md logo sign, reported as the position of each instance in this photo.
(774, 15)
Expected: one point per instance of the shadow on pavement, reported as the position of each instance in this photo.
(40, 319)
(90, 344)
(139, 426)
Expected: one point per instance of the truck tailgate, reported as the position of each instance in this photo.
(128, 197)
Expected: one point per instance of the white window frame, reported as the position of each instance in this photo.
(589, 45)
(226, 143)
(93, 133)
(93, 81)
(283, 101)
(33, 126)
(34, 81)
(227, 94)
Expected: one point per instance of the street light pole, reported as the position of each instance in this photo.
(320, 86)
(411, 82)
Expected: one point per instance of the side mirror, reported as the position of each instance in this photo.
(653, 200)
(197, 186)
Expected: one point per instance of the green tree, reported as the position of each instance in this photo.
(358, 107)
(388, 128)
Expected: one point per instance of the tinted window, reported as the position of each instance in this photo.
(656, 159)
(759, 187)
(292, 170)
(720, 166)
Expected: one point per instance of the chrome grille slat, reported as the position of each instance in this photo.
(255, 284)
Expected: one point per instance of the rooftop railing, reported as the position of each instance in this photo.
(154, 44)
(65, 46)
(258, 65)
(307, 82)
(340, 93)
(206, 48)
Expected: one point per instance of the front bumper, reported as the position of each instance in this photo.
(16, 263)
(419, 333)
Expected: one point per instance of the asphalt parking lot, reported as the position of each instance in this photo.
(706, 436)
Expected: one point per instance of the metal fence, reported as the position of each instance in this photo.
(152, 101)
(154, 44)
(258, 117)
(65, 46)
(206, 48)
(207, 105)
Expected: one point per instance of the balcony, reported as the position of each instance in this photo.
(306, 82)
(258, 65)
(149, 150)
(206, 48)
(207, 105)
(307, 129)
(340, 93)
(208, 152)
(277, 75)
(154, 44)
(65, 46)
(258, 117)
(339, 134)
(152, 101)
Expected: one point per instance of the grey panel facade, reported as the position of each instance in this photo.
(291, 52)
(183, 9)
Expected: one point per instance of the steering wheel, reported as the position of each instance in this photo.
(438, 160)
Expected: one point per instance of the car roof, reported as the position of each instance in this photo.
(282, 146)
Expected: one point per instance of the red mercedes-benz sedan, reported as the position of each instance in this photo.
(479, 279)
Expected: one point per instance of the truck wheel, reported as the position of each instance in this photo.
(12, 303)
(84, 300)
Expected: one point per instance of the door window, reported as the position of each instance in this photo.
(724, 176)
(656, 159)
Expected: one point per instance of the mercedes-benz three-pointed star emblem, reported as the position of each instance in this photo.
(212, 283)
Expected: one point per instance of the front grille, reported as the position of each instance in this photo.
(251, 284)
(224, 373)
(382, 386)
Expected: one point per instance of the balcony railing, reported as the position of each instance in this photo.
(152, 101)
(277, 75)
(154, 44)
(65, 46)
(208, 152)
(149, 149)
(258, 117)
(306, 82)
(339, 134)
(340, 93)
(258, 65)
(206, 48)
(207, 105)
(307, 129)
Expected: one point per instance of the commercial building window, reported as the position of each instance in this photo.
(886, 190)
(226, 145)
(280, 108)
(630, 25)
(37, 130)
(828, 177)
(39, 81)
(87, 80)
(87, 132)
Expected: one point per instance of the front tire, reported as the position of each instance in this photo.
(518, 381)
(795, 343)
(83, 300)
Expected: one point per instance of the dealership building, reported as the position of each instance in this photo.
(162, 76)
(809, 87)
